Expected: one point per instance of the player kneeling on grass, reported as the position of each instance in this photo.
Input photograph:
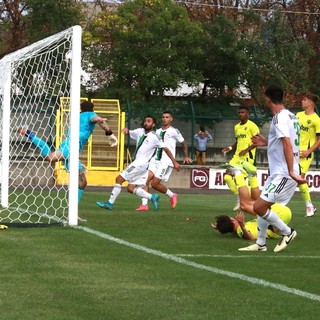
(249, 230)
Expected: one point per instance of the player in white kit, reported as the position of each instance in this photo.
(160, 166)
(137, 172)
(283, 158)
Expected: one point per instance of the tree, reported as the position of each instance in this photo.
(222, 58)
(275, 55)
(24, 22)
(48, 17)
(146, 47)
(12, 26)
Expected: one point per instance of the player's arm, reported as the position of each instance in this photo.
(315, 146)
(228, 149)
(254, 131)
(245, 151)
(185, 153)
(259, 140)
(288, 154)
(105, 127)
(241, 220)
(170, 155)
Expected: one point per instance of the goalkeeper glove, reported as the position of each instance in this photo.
(114, 140)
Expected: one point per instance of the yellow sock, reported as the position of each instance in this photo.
(305, 193)
(231, 184)
(253, 182)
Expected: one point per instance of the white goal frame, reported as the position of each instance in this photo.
(8, 67)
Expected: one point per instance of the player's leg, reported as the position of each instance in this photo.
(254, 186)
(82, 185)
(144, 201)
(246, 202)
(271, 193)
(304, 188)
(39, 143)
(82, 182)
(163, 173)
(136, 187)
(228, 179)
(114, 193)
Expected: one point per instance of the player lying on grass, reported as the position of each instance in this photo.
(249, 230)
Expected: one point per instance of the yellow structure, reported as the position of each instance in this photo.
(102, 161)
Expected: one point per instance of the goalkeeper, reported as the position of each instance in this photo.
(88, 121)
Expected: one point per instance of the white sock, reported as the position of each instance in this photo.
(169, 193)
(114, 193)
(142, 193)
(262, 231)
(144, 201)
(272, 218)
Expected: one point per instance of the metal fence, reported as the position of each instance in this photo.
(217, 118)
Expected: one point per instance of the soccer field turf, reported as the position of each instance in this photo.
(166, 264)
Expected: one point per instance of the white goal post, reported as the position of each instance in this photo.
(32, 82)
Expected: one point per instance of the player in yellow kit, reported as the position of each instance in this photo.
(244, 151)
(249, 230)
(309, 141)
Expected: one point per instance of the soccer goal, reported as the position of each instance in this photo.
(32, 82)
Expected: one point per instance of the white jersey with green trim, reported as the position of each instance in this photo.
(146, 145)
(169, 136)
(284, 125)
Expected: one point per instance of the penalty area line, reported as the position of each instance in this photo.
(177, 259)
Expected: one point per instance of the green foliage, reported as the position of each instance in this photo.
(148, 47)
(275, 56)
(48, 17)
(222, 57)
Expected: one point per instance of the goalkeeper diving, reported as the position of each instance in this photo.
(88, 121)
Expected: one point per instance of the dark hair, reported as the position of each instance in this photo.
(154, 120)
(224, 224)
(202, 129)
(312, 97)
(274, 93)
(244, 108)
(86, 106)
(167, 111)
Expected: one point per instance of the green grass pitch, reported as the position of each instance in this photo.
(166, 264)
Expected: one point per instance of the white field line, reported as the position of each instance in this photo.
(249, 255)
(177, 259)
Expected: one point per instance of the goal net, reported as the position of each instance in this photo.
(32, 82)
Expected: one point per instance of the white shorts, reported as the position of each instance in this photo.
(160, 170)
(278, 189)
(136, 175)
